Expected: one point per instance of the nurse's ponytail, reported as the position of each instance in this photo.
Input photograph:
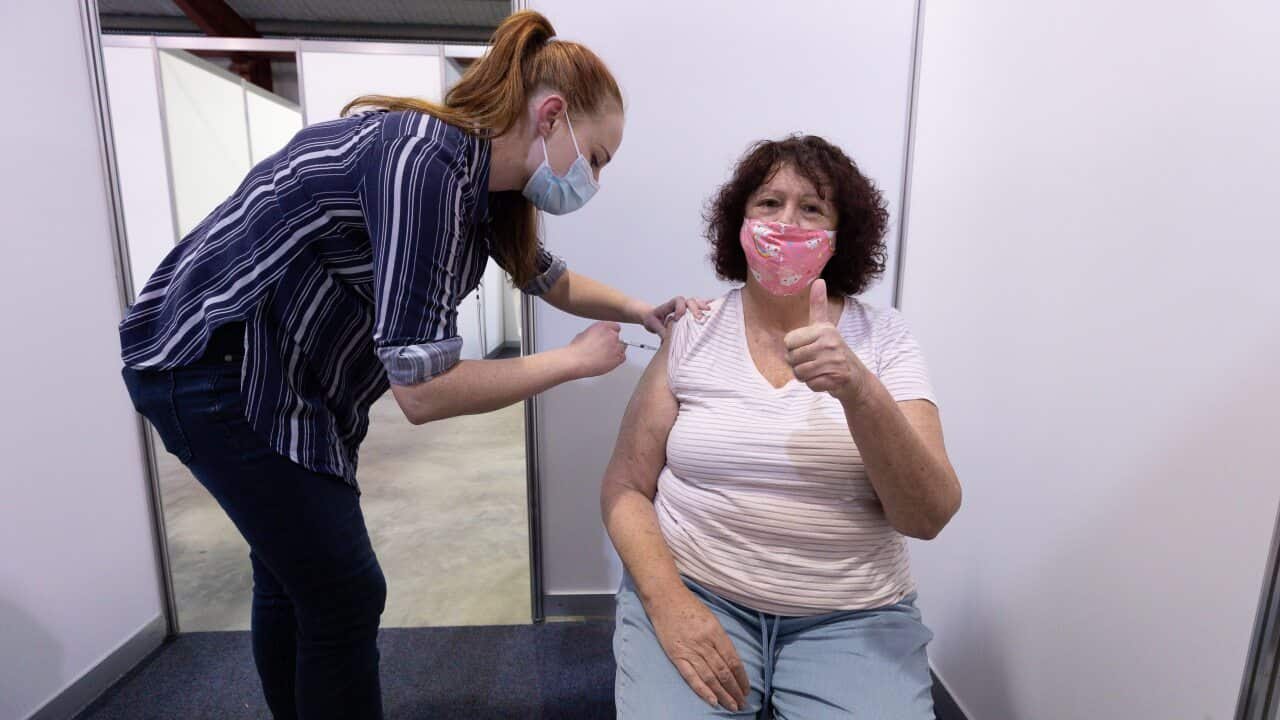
(493, 95)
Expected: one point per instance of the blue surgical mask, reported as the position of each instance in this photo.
(561, 194)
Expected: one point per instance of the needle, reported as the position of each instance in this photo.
(642, 346)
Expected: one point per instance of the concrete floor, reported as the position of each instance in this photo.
(445, 506)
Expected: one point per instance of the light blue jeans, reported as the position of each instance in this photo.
(864, 664)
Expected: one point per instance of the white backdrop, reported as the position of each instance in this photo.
(702, 80)
(1091, 267)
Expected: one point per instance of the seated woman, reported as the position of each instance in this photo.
(770, 463)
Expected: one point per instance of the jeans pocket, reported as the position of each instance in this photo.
(153, 397)
(229, 410)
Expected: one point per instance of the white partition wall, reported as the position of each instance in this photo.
(272, 122)
(702, 81)
(144, 177)
(1091, 269)
(80, 598)
(333, 78)
(205, 124)
(493, 304)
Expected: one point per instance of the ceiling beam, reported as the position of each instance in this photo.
(307, 29)
(216, 18)
(264, 54)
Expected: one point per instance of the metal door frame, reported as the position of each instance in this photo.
(1260, 687)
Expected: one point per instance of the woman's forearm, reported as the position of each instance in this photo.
(632, 524)
(582, 296)
(905, 460)
(479, 386)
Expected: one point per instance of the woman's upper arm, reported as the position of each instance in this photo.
(641, 449)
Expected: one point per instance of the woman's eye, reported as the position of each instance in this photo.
(769, 202)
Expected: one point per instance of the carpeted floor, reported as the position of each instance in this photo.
(525, 672)
(539, 672)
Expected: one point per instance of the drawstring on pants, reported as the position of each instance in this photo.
(768, 650)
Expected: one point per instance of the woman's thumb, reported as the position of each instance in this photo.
(818, 302)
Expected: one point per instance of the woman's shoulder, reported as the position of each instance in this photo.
(426, 139)
(864, 318)
(397, 124)
(689, 325)
(688, 332)
(879, 334)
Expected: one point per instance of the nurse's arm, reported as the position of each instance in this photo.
(587, 297)
(479, 386)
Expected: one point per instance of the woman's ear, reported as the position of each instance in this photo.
(547, 112)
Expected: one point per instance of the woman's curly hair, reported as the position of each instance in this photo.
(862, 218)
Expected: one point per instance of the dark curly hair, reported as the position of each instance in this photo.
(862, 220)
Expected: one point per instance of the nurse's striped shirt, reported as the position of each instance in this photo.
(346, 255)
(764, 499)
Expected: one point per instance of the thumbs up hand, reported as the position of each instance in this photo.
(818, 354)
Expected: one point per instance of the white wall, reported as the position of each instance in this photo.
(331, 79)
(272, 122)
(78, 572)
(1091, 266)
(208, 140)
(510, 312)
(702, 81)
(494, 299)
(144, 177)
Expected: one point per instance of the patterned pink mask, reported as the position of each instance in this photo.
(785, 259)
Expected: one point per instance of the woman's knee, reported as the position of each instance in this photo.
(339, 607)
(366, 593)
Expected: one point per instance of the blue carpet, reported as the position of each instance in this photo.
(533, 672)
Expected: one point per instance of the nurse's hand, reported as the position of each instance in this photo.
(657, 320)
(597, 350)
(697, 645)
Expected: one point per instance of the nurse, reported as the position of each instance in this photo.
(333, 273)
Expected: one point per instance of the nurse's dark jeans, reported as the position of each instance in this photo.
(318, 590)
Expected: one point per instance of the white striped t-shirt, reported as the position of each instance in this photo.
(764, 499)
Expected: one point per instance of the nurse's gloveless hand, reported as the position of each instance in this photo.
(658, 320)
(597, 350)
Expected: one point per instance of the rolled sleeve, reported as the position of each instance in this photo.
(414, 364)
(550, 269)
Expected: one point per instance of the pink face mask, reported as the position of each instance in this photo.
(785, 259)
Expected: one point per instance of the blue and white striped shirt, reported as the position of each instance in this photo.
(346, 255)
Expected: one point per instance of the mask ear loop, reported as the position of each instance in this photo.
(590, 176)
(546, 156)
(572, 134)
